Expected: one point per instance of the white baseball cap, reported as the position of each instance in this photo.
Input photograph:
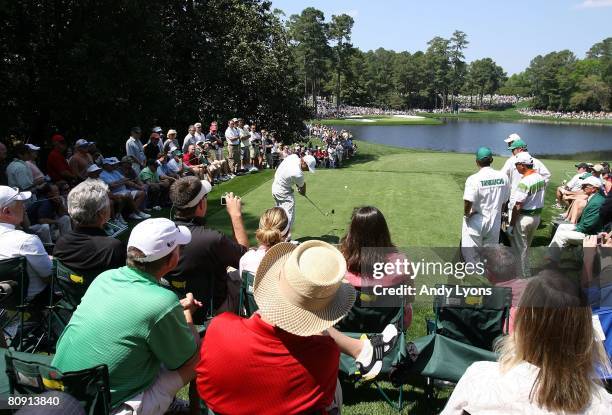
(311, 162)
(157, 237)
(591, 180)
(110, 160)
(93, 168)
(32, 147)
(523, 158)
(81, 143)
(10, 194)
(512, 137)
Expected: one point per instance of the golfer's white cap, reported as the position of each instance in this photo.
(591, 180)
(523, 158)
(311, 162)
(93, 168)
(157, 237)
(10, 194)
(512, 137)
(32, 147)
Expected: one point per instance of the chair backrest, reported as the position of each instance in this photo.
(72, 284)
(370, 315)
(33, 374)
(247, 305)
(478, 317)
(14, 269)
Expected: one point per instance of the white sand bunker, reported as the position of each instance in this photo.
(363, 120)
(410, 117)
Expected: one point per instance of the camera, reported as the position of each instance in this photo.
(224, 199)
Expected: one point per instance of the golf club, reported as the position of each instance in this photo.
(318, 208)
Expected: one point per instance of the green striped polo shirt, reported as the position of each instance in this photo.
(127, 321)
(530, 193)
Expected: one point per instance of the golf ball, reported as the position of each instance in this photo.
(346, 187)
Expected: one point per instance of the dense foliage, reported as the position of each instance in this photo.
(561, 82)
(96, 68)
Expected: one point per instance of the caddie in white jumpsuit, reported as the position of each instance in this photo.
(484, 197)
(289, 173)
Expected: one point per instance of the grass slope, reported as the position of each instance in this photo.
(420, 194)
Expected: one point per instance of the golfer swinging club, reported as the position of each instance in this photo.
(290, 172)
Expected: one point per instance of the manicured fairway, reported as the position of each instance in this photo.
(421, 195)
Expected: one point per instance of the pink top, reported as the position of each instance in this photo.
(390, 280)
(518, 285)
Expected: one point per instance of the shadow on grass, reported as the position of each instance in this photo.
(415, 399)
(330, 239)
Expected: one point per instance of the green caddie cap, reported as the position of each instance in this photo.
(517, 144)
(483, 153)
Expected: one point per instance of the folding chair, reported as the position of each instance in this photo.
(71, 287)
(32, 374)
(247, 305)
(16, 306)
(464, 331)
(372, 319)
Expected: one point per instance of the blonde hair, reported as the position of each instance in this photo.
(271, 226)
(554, 331)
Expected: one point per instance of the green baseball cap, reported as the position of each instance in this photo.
(517, 144)
(483, 153)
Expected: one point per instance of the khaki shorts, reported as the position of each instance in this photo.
(156, 399)
(234, 153)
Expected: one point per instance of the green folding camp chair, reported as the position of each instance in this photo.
(67, 289)
(15, 308)
(247, 305)
(464, 331)
(364, 319)
(30, 374)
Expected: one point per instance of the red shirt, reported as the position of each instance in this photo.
(56, 164)
(190, 159)
(250, 367)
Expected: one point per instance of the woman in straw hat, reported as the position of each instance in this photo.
(285, 358)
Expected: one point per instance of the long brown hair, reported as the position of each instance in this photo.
(554, 331)
(368, 229)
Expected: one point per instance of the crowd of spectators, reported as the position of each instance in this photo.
(574, 115)
(131, 320)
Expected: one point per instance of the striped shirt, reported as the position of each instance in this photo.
(530, 193)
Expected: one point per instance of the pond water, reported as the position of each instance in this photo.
(465, 136)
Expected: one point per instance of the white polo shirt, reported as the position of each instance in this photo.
(487, 189)
(515, 177)
(288, 174)
(15, 243)
(232, 135)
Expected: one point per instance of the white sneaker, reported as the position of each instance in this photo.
(135, 216)
(157, 208)
(143, 215)
(120, 220)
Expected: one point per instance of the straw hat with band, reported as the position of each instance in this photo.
(300, 288)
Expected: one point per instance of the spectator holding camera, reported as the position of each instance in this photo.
(203, 263)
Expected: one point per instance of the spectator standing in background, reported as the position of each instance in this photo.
(232, 136)
(135, 149)
(18, 172)
(171, 142)
(189, 139)
(57, 166)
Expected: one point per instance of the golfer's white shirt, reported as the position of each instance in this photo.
(487, 189)
(484, 389)
(288, 174)
(510, 170)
